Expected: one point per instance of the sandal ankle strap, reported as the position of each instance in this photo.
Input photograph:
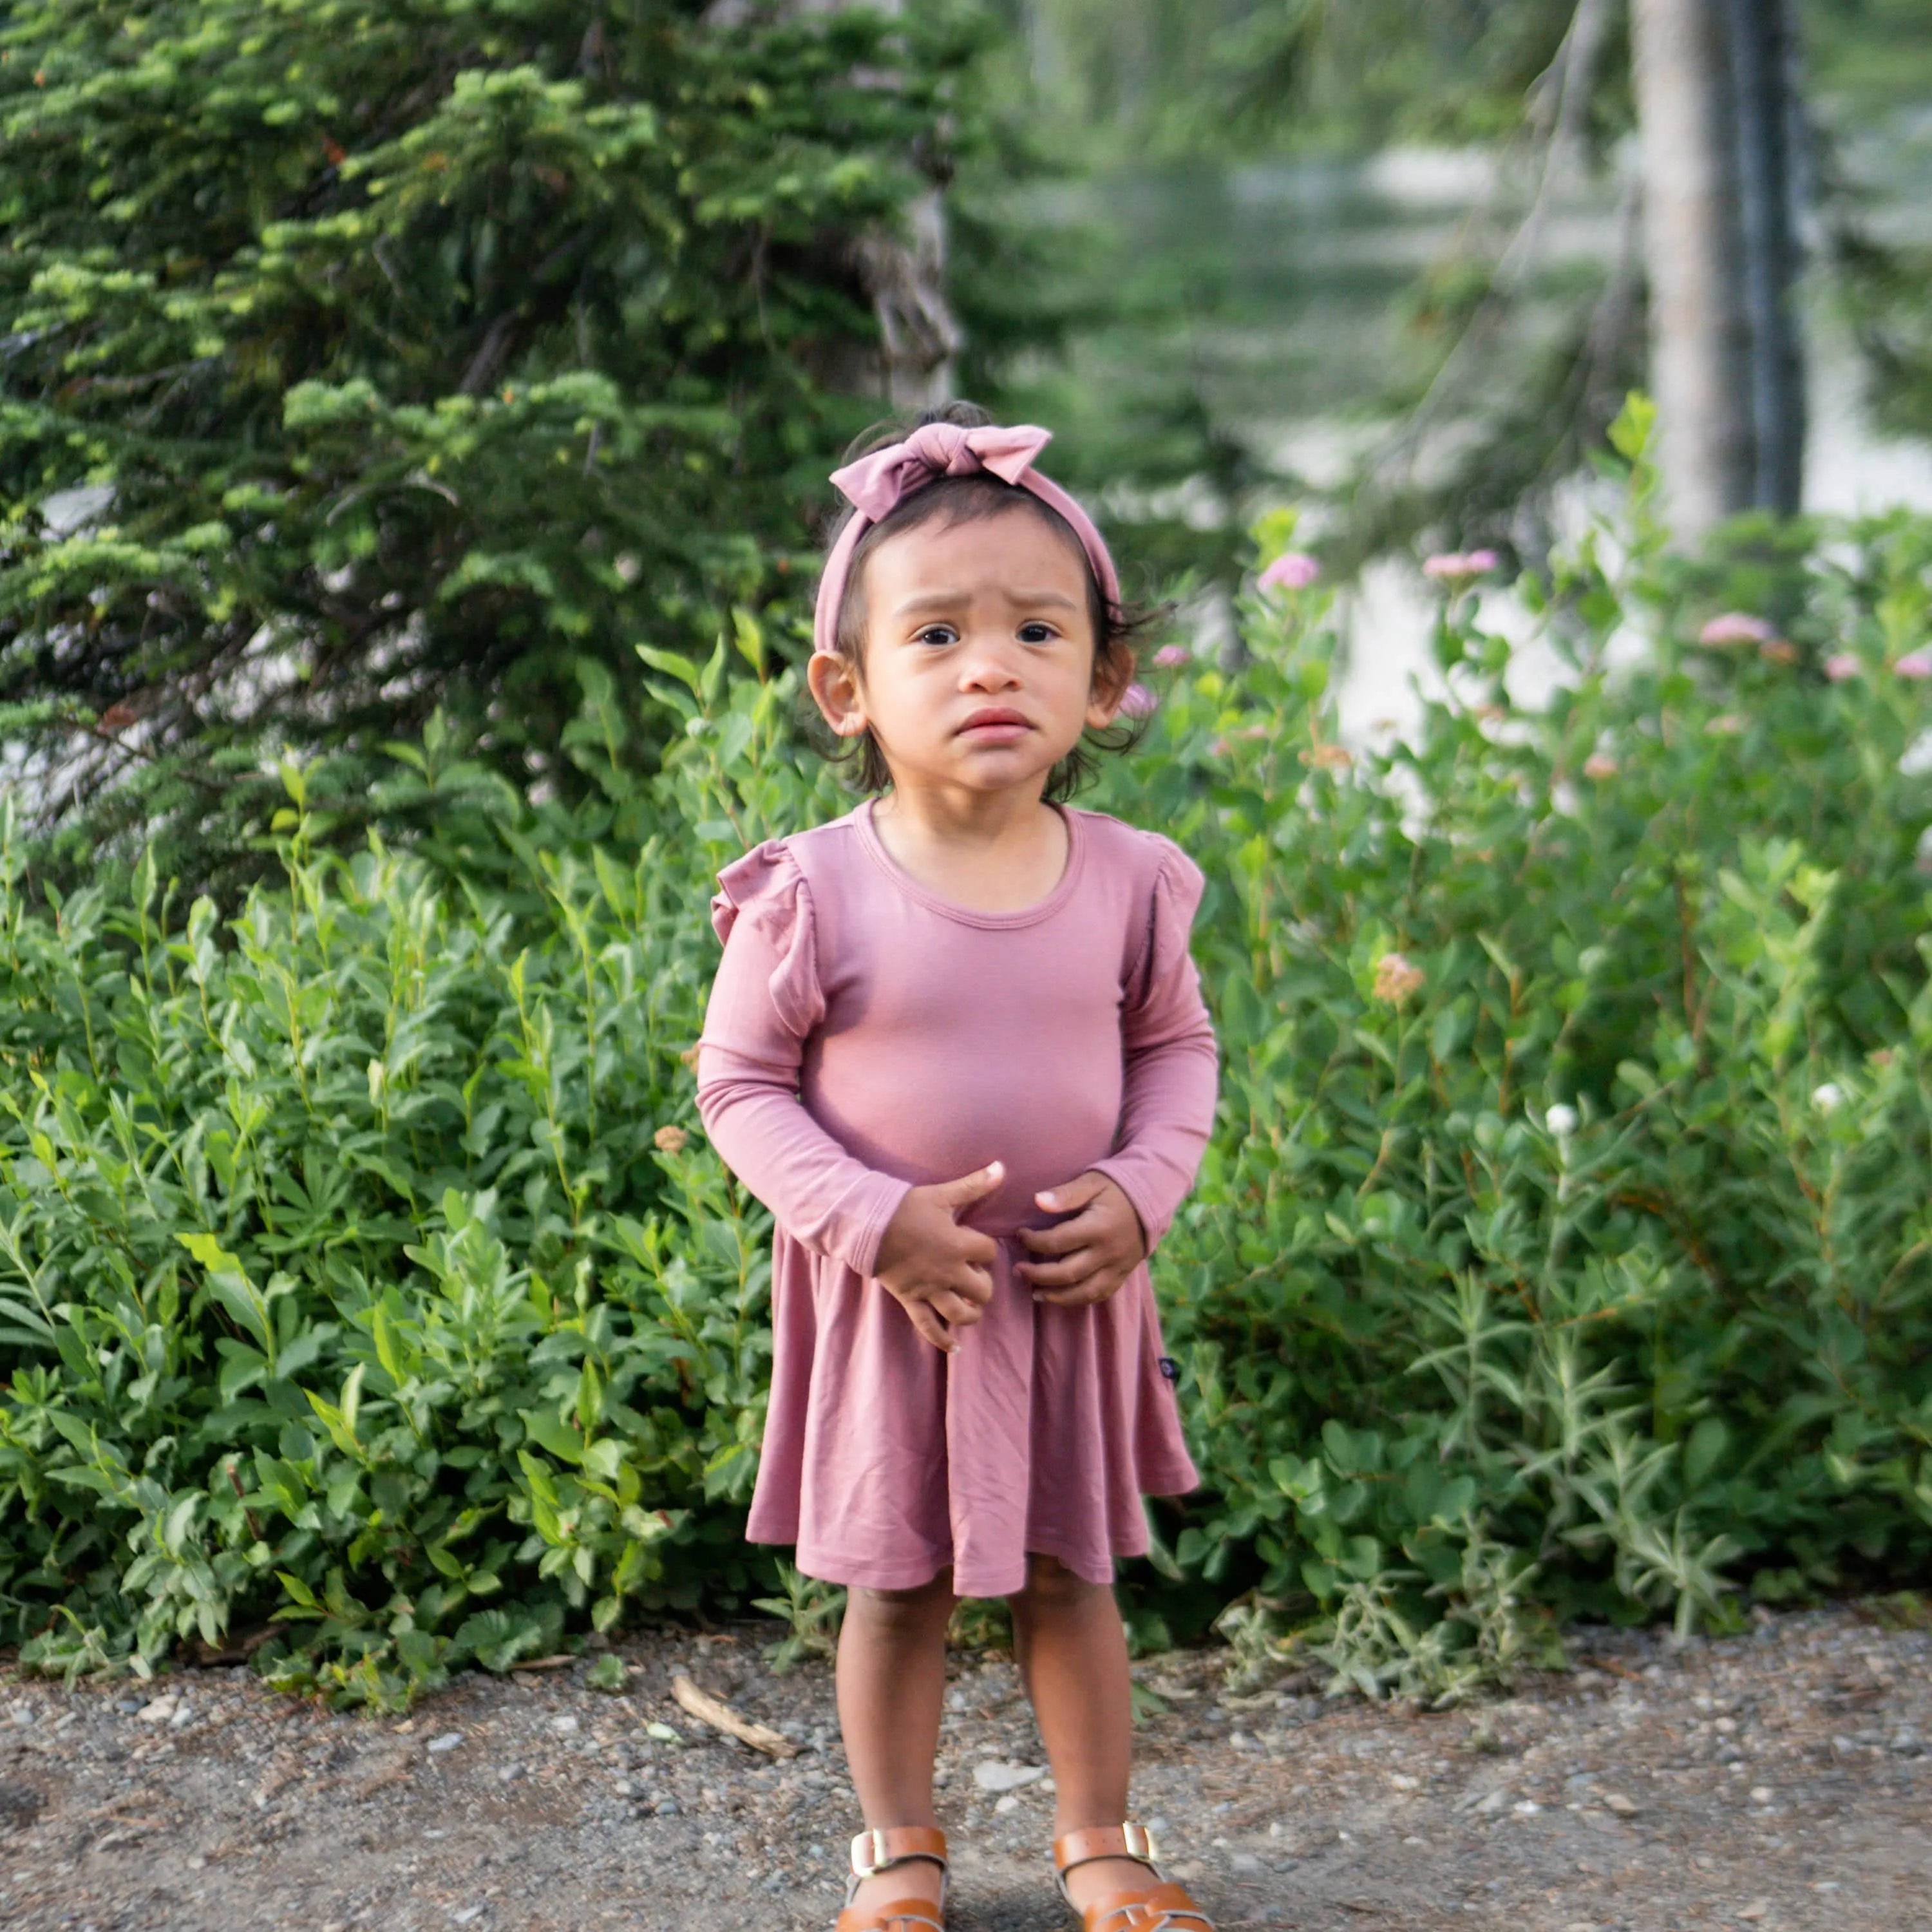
(876, 1850)
(1125, 1840)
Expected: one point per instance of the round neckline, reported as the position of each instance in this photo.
(921, 895)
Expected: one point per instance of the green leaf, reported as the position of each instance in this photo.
(544, 1429)
(670, 664)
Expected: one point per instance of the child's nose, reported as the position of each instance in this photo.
(990, 665)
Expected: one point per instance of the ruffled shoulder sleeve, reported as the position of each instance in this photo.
(1174, 898)
(764, 897)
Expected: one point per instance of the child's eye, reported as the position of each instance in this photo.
(1037, 633)
(938, 635)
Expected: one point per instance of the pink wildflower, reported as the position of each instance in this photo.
(1914, 664)
(1776, 650)
(1454, 566)
(670, 1140)
(1328, 757)
(1734, 627)
(1599, 765)
(1842, 664)
(1171, 657)
(1293, 570)
(1396, 978)
(1137, 701)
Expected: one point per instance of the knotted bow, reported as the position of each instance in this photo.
(875, 486)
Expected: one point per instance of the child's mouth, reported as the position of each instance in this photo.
(995, 727)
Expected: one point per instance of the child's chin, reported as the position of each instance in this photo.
(1008, 774)
(984, 767)
(1028, 755)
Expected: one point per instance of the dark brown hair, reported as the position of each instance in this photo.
(966, 500)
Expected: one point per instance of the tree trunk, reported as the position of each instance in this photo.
(903, 271)
(1716, 108)
(1763, 64)
(1694, 250)
(904, 275)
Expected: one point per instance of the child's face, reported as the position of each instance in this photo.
(978, 663)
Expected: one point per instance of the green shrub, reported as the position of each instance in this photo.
(1566, 1245)
(354, 1265)
(1562, 1250)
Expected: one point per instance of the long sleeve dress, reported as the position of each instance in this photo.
(865, 1036)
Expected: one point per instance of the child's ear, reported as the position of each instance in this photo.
(835, 690)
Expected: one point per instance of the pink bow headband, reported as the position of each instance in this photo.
(876, 484)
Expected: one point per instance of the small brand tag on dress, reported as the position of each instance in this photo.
(1170, 1369)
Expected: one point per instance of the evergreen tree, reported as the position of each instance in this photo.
(362, 360)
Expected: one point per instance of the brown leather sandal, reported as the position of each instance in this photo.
(875, 1852)
(1162, 1907)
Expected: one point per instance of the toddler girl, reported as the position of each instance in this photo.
(957, 1046)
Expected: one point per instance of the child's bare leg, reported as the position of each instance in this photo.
(1073, 1655)
(892, 1685)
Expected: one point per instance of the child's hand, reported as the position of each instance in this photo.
(937, 1268)
(1096, 1250)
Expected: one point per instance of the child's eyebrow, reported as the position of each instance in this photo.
(942, 600)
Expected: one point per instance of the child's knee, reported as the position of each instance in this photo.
(917, 1605)
(1050, 1585)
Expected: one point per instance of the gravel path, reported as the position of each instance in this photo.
(1779, 1781)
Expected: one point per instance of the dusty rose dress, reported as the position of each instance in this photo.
(865, 1036)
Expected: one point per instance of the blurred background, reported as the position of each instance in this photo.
(1399, 264)
(349, 377)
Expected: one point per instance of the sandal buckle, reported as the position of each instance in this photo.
(868, 1854)
(1143, 1850)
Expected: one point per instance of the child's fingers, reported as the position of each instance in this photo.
(955, 1195)
(1062, 1240)
(973, 1246)
(955, 1310)
(1063, 1273)
(930, 1327)
(976, 1284)
(1082, 1293)
(1072, 1196)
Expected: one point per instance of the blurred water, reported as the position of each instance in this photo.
(1293, 280)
